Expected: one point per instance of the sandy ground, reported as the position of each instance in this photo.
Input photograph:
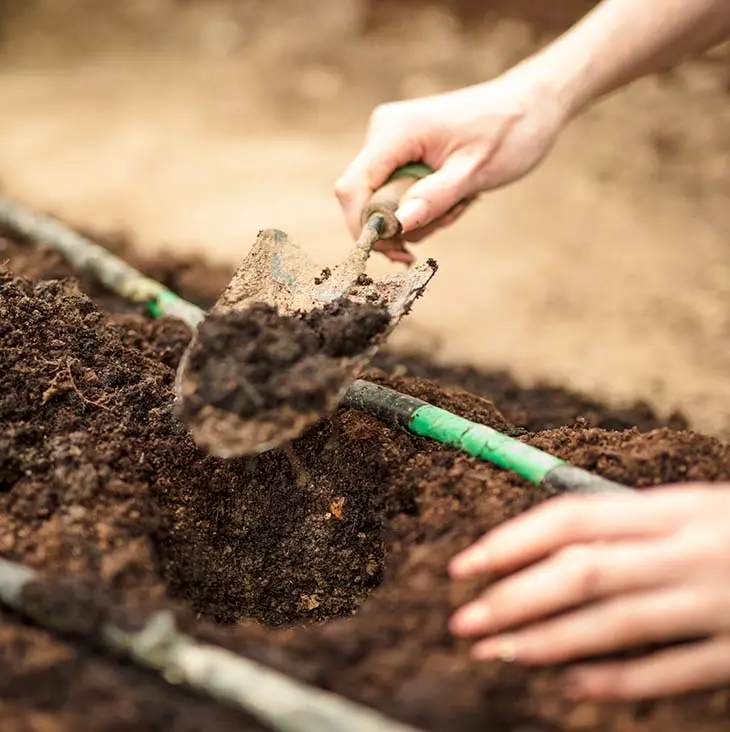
(608, 270)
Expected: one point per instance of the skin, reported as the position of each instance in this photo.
(577, 577)
(492, 134)
(585, 576)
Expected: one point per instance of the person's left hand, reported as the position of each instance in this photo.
(594, 575)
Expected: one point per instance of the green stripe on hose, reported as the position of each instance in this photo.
(483, 442)
(159, 306)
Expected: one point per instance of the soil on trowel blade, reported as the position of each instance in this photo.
(342, 540)
(251, 362)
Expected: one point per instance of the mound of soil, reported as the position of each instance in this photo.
(353, 525)
(254, 361)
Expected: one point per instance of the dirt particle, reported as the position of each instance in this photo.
(337, 506)
(323, 277)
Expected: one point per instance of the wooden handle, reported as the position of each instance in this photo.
(386, 200)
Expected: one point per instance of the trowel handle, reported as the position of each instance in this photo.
(386, 200)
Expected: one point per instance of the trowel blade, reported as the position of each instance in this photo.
(279, 273)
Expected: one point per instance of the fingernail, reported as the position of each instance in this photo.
(412, 213)
(466, 564)
(503, 647)
(459, 566)
(472, 618)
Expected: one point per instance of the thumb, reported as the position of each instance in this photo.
(435, 195)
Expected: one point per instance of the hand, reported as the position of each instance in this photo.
(594, 575)
(476, 139)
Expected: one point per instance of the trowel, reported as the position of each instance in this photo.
(277, 272)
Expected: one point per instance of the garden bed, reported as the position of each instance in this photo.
(326, 559)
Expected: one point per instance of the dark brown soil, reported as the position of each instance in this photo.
(353, 524)
(51, 685)
(255, 361)
(536, 408)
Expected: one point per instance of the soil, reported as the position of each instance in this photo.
(255, 361)
(52, 685)
(326, 560)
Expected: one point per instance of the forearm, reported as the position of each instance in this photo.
(622, 40)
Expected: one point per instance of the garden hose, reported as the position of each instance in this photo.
(90, 259)
(282, 703)
(426, 420)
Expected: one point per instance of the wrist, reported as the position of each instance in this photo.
(543, 91)
(556, 81)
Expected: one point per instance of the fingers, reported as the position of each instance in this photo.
(447, 219)
(618, 623)
(368, 171)
(675, 671)
(560, 522)
(395, 250)
(436, 195)
(571, 577)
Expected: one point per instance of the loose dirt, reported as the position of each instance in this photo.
(251, 363)
(340, 542)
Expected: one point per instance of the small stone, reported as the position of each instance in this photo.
(309, 602)
(76, 513)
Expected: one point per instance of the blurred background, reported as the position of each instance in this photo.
(191, 124)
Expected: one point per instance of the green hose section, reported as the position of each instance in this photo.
(162, 303)
(411, 170)
(483, 442)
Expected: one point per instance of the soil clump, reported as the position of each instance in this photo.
(255, 361)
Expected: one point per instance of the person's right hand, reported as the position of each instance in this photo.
(475, 139)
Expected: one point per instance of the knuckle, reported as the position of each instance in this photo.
(343, 190)
(630, 624)
(713, 603)
(581, 564)
(475, 164)
(540, 651)
(567, 513)
(702, 549)
(450, 190)
(383, 113)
